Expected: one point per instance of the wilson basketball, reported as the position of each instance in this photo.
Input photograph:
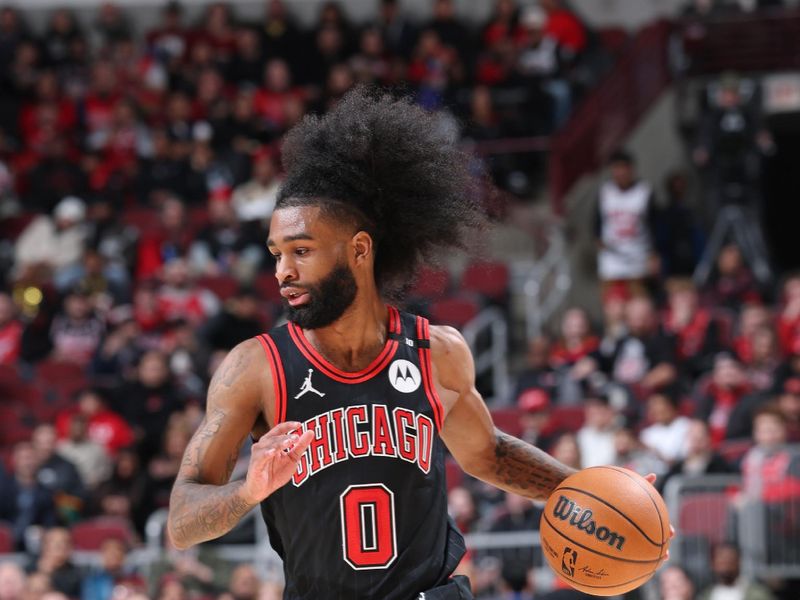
(605, 530)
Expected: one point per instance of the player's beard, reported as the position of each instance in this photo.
(328, 300)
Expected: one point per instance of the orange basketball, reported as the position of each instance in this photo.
(605, 530)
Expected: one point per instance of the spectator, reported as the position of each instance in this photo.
(675, 584)
(104, 427)
(517, 514)
(225, 246)
(667, 431)
(434, 68)
(770, 470)
(111, 24)
(449, 30)
(679, 236)
(168, 40)
(751, 318)
(567, 450)
(789, 405)
(461, 507)
(624, 227)
(789, 317)
(398, 32)
(62, 30)
(10, 331)
(179, 298)
(596, 437)
(169, 240)
(729, 583)
(371, 64)
(53, 244)
(91, 459)
(236, 322)
(732, 284)
(25, 501)
(254, 200)
(147, 402)
(280, 35)
(120, 349)
(76, 332)
(162, 468)
(122, 495)
(12, 581)
(54, 561)
(58, 475)
(699, 455)
(764, 359)
(719, 396)
(696, 332)
(632, 454)
(535, 420)
(644, 358)
(614, 300)
(565, 28)
(538, 373)
(576, 343)
(100, 582)
(244, 583)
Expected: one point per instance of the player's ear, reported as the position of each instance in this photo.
(362, 246)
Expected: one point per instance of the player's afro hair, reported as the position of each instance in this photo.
(389, 168)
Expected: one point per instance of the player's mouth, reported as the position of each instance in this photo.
(295, 296)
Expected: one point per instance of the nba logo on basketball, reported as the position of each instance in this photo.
(568, 560)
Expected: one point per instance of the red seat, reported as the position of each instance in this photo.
(704, 514)
(430, 283)
(6, 538)
(145, 220)
(568, 418)
(12, 386)
(90, 535)
(613, 39)
(456, 312)
(56, 372)
(489, 279)
(223, 286)
(267, 287)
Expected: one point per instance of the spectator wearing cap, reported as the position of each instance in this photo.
(717, 398)
(53, 244)
(699, 456)
(10, 331)
(254, 200)
(76, 332)
(666, 433)
(596, 436)
(535, 418)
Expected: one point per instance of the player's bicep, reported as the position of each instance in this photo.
(232, 408)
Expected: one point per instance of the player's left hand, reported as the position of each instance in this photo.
(651, 477)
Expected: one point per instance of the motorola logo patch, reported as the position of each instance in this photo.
(404, 376)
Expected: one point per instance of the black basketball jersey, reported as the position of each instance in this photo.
(365, 514)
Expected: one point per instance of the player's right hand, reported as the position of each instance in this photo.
(273, 460)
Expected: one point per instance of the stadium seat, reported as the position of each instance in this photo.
(144, 220)
(267, 287)
(704, 514)
(457, 311)
(12, 386)
(6, 538)
(569, 418)
(613, 39)
(507, 419)
(430, 284)
(90, 535)
(734, 450)
(489, 279)
(223, 286)
(56, 372)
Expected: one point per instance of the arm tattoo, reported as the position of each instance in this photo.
(204, 511)
(524, 469)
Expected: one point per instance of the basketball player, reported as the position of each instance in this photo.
(353, 402)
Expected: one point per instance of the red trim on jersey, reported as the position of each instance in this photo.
(423, 333)
(337, 374)
(278, 377)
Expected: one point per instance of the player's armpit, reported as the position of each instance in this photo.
(480, 449)
(203, 505)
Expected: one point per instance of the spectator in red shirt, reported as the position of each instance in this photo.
(564, 27)
(270, 100)
(789, 318)
(10, 331)
(104, 94)
(718, 398)
(694, 328)
(577, 340)
(170, 240)
(732, 284)
(181, 299)
(105, 427)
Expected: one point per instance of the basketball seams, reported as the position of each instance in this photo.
(616, 510)
(597, 552)
(647, 491)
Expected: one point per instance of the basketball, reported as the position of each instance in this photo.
(605, 530)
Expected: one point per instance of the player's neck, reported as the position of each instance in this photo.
(357, 337)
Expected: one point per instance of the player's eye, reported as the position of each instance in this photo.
(301, 251)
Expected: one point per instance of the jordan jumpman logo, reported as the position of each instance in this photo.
(308, 387)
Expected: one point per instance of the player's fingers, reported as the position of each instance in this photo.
(671, 531)
(651, 477)
(295, 451)
(280, 429)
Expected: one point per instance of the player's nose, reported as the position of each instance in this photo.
(285, 271)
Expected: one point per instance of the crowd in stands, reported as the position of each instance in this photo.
(138, 172)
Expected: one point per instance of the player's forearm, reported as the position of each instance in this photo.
(523, 469)
(200, 512)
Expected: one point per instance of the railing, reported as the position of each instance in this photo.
(610, 111)
(494, 358)
(547, 283)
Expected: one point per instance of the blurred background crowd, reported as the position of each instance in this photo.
(138, 172)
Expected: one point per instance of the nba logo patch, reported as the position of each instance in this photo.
(404, 376)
